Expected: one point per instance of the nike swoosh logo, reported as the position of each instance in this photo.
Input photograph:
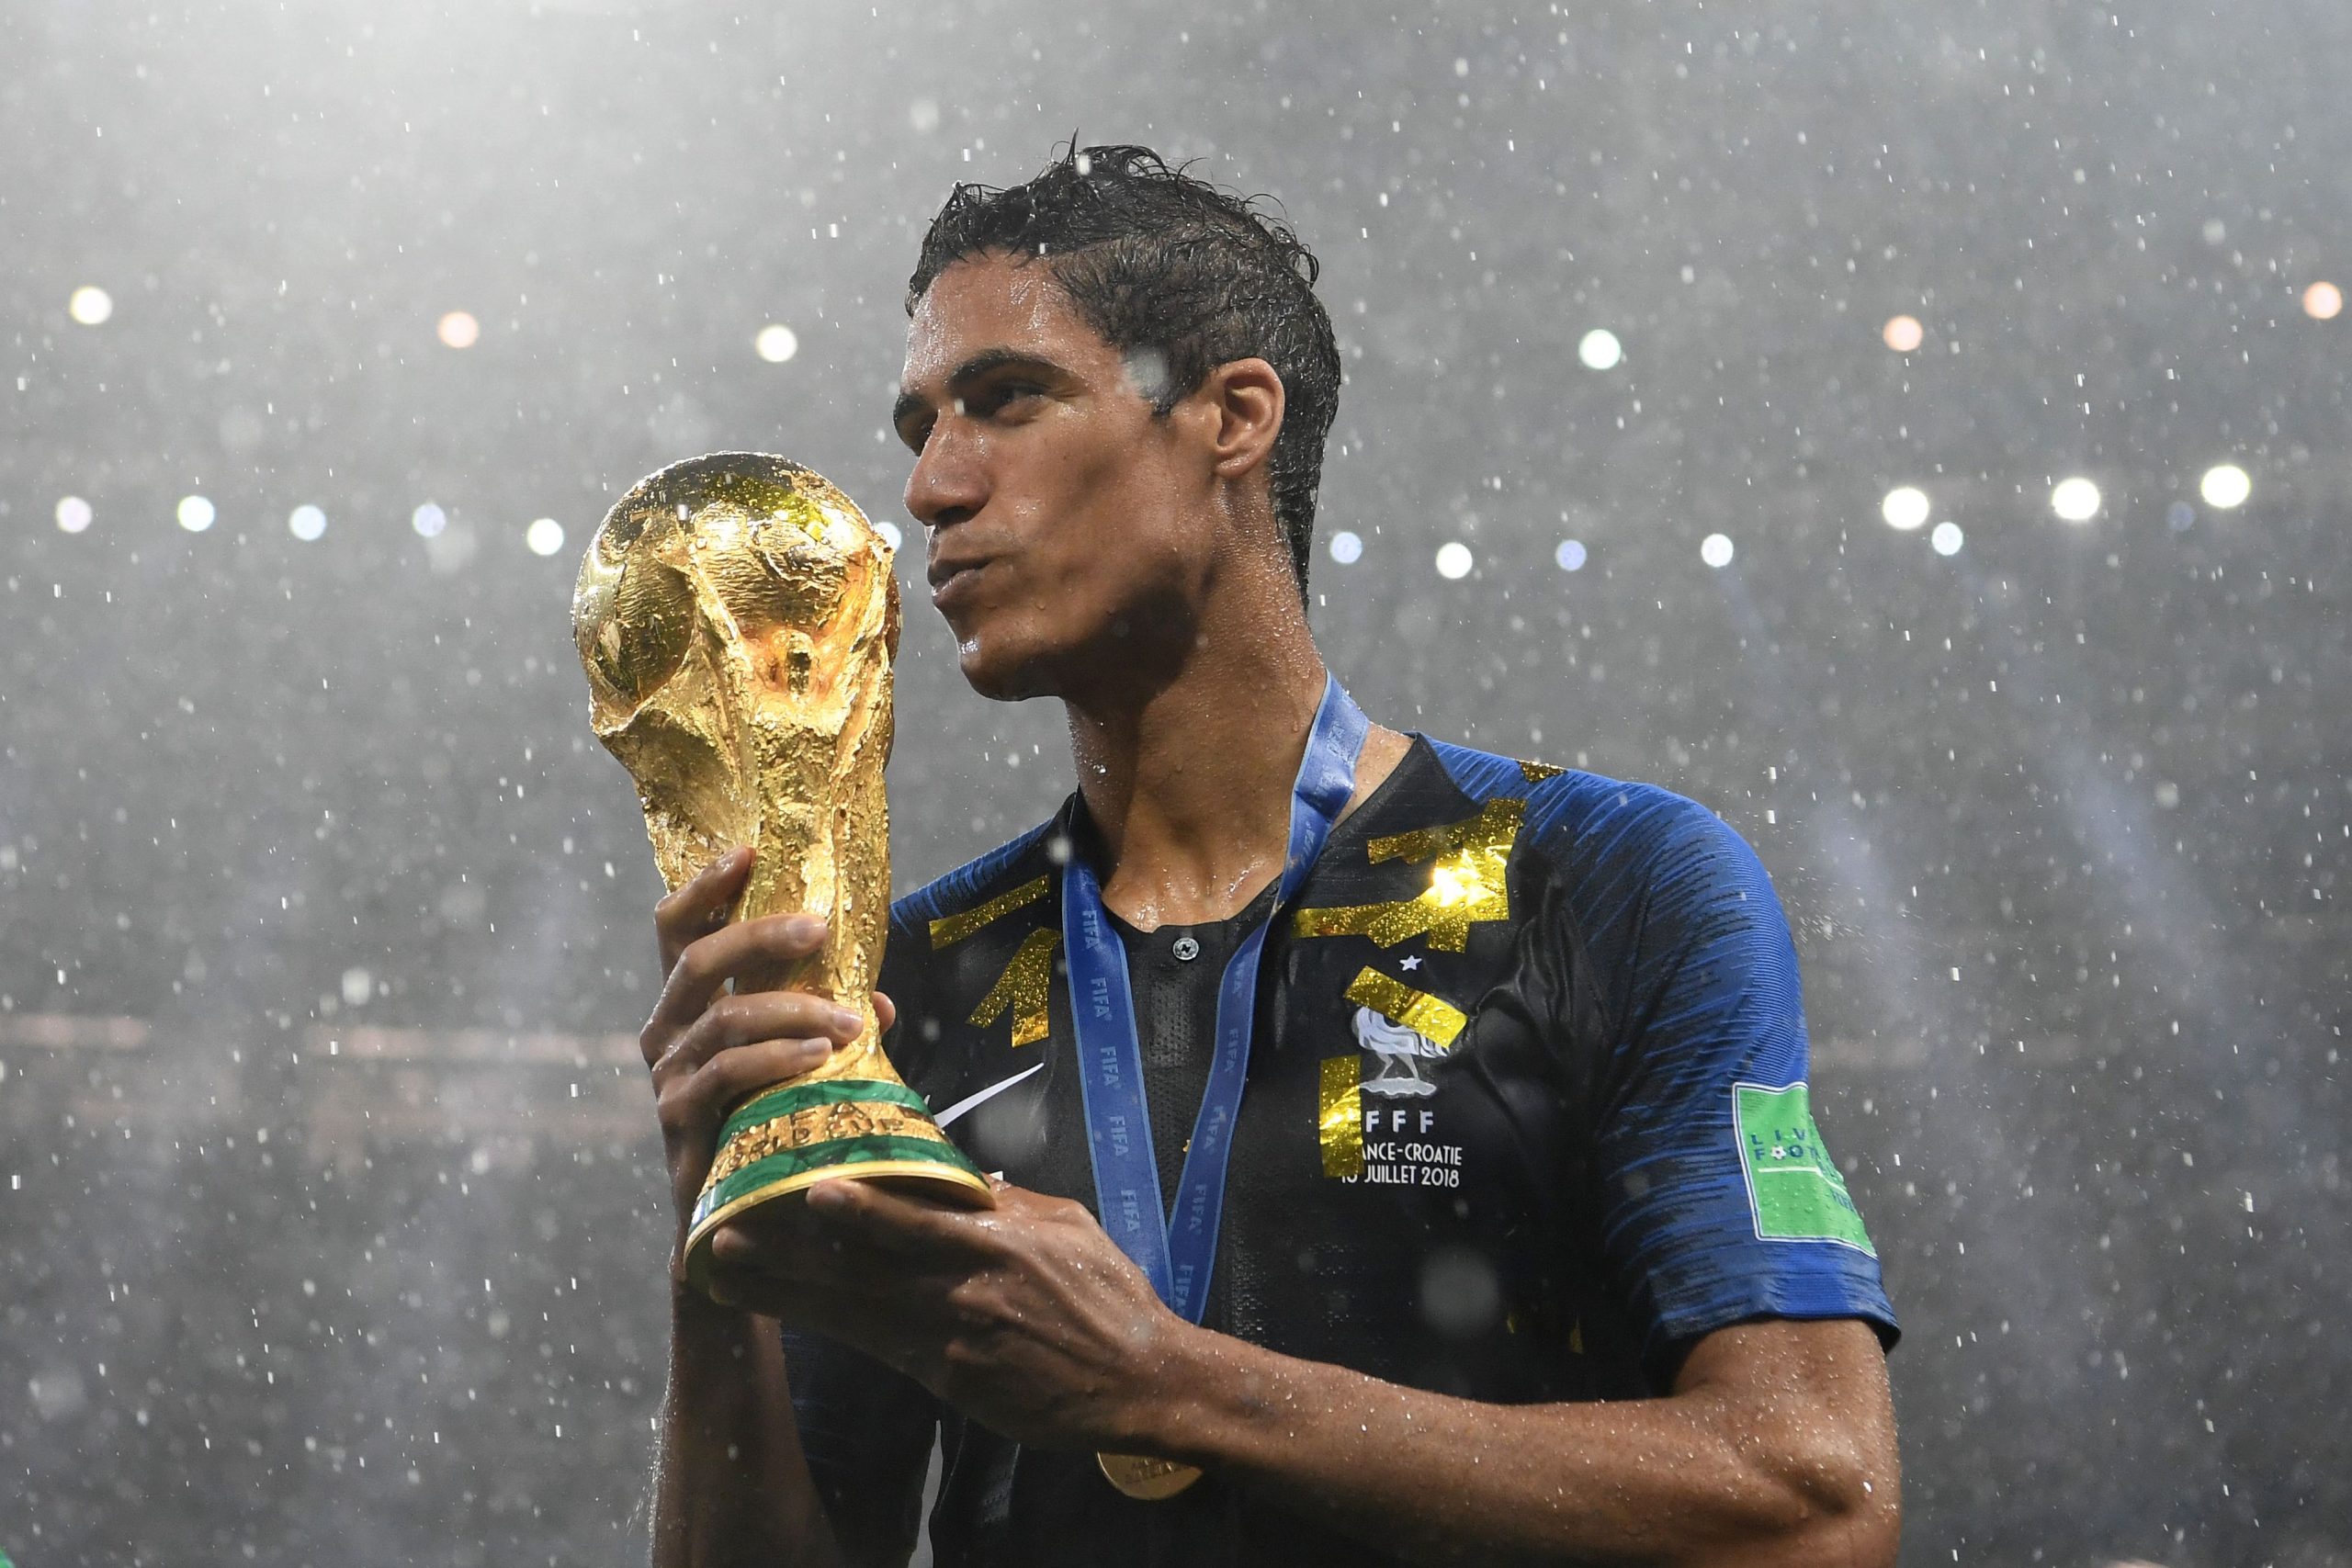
(972, 1100)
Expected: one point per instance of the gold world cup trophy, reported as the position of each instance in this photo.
(737, 615)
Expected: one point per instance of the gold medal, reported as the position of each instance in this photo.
(1141, 1476)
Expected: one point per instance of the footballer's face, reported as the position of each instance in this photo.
(1066, 521)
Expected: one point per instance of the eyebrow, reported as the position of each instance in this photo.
(981, 364)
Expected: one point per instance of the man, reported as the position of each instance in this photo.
(1520, 1245)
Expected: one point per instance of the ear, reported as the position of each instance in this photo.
(1244, 398)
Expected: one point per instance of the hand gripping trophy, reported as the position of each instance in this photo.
(736, 616)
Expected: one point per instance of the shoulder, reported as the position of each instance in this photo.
(985, 931)
(1009, 870)
(1661, 895)
(1605, 835)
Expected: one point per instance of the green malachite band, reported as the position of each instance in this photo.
(787, 1099)
(836, 1153)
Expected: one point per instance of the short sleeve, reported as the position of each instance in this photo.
(867, 1433)
(1719, 1202)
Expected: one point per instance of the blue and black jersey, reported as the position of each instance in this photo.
(1526, 1118)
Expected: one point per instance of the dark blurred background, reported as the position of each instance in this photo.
(331, 1224)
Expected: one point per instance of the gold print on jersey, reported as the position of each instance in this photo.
(1339, 1117)
(1403, 1028)
(948, 930)
(1467, 883)
(1023, 987)
(1536, 772)
(1437, 1018)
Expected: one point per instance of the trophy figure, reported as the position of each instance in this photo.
(736, 616)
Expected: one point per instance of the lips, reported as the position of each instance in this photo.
(953, 580)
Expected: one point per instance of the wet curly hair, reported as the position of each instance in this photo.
(1163, 263)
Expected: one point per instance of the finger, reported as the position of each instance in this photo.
(736, 1020)
(720, 1289)
(877, 1323)
(885, 1013)
(694, 1104)
(899, 1225)
(700, 905)
(708, 962)
(775, 1249)
(773, 1256)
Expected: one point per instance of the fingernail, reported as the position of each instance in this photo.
(806, 928)
(848, 1020)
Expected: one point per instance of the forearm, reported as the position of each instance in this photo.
(732, 1486)
(1679, 1480)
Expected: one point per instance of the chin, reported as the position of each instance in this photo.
(1010, 656)
(997, 673)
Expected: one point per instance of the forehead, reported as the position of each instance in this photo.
(993, 302)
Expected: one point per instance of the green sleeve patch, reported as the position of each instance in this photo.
(1793, 1187)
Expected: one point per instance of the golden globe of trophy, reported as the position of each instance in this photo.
(737, 615)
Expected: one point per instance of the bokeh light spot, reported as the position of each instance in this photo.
(460, 330)
(891, 534)
(2225, 485)
(545, 536)
(1599, 350)
(90, 305)
(1715, 549)
(1462, 1295)
(1453, 560)
(428, 520)
(1905, 508)
(923, 115)
(1570, 556)
(2075, 498)
(1903, 333)
(1346, 548)
(73, 513)
(776, 343)
(1945, 538)
(195, 513)
(2323, 301)
(306, 522)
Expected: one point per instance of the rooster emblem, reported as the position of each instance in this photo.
(1401, 1050)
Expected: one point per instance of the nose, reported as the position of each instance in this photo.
(949, 482)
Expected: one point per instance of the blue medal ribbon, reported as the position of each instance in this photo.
(1176, 1248)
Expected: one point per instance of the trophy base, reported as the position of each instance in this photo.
(787, 1139)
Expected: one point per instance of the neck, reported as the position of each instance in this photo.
(1188, 778)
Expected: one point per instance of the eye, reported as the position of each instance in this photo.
(1003, 394)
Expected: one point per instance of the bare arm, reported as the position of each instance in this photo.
(1776, 1446)
(732, 1486)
